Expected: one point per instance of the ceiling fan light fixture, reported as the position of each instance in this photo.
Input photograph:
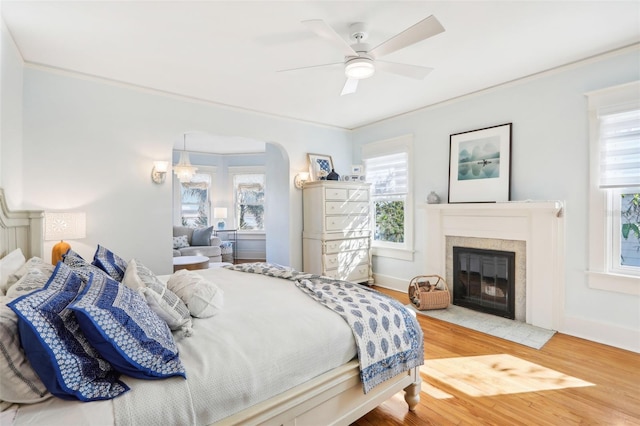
(359, 68)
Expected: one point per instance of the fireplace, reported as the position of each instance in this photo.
(537, 227)
(484, 280)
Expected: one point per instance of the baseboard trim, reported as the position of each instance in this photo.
(392, 283)
(250, 254)
(607, 334)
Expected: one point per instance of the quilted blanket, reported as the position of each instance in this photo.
(388, 337)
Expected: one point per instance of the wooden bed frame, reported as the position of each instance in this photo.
(333, 398)
(22, 229)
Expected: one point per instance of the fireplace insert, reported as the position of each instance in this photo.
(484, 280)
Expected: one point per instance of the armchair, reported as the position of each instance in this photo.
(198, 242)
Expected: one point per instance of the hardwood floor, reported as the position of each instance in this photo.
(569, 381)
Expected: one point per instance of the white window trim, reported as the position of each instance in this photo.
(242, 170)
(385, 147)
(600, 275)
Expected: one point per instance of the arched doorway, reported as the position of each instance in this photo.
(224, 161)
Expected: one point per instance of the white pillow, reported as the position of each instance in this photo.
(160, 299)
(19, 383)
(33, 263)
(10, 264)
(203, 298)
(34, 279)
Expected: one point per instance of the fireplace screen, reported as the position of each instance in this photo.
(484, 280)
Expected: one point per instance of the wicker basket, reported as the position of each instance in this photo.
(428, 292)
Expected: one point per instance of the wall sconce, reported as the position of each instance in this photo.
(159, 171)
(300, 179)
(220, 213)
(63, 226)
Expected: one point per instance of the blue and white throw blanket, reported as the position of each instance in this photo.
(388, 337)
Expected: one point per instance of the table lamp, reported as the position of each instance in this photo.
(220, 213)
(64, 226)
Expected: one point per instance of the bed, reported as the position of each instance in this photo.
(238, 370)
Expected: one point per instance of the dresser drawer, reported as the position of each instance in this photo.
(337, 246)
(344, 194)
(358, 274)
(347, 223)
(358, 194)
(347, 207)
(335, 194)
(346, 260)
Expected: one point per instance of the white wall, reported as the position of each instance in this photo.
(89, 145)
(10, 118)
(549, 162)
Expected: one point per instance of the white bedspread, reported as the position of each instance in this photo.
(268, 338)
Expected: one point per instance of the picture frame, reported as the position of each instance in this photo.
(320, 166)
(480, 165)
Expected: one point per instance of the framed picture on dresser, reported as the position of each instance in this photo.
(320, 166)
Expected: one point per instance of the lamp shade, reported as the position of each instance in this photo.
(220, 213)
(161, 166)
(65, 225)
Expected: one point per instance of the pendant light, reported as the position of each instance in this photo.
(184, 170)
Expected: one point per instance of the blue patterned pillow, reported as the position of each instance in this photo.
(126, 332)
(81, 267)
(109, 262)
(67, 364)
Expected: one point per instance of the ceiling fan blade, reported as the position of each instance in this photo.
(350, 86)
(312, 66)
(424, 29)
(322, 29)
(411, 71)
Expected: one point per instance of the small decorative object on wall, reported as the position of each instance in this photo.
(433, 198)
(319, 166)
(480, 165)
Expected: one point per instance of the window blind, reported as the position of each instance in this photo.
(388, 174)
(620, 149)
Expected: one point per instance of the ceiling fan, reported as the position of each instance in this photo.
(360, 62)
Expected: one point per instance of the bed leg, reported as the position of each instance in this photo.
(412, 394)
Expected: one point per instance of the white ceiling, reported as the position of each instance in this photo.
(228, 52)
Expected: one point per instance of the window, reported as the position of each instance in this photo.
(614, 200)
(195, 207)
(627, 241)
(249, 193)
(387, 166)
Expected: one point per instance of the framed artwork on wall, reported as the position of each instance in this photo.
(320, 166)
(480, 165)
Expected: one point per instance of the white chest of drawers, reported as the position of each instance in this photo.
(336, 239)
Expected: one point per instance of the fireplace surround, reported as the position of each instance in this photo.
(536, 227)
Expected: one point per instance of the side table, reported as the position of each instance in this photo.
(230, 235)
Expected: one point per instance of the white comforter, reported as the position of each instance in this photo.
(268, 338)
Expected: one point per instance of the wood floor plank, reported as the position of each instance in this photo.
(613, 398)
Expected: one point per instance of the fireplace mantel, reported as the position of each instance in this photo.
(540, 224)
